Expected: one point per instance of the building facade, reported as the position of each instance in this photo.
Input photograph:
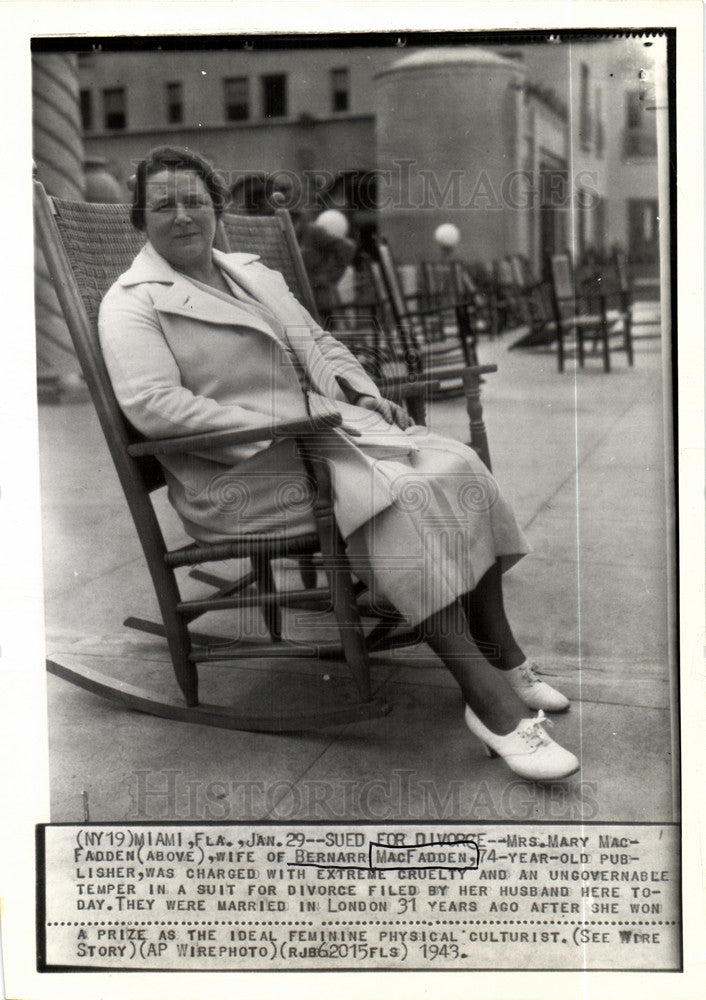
(527, 148)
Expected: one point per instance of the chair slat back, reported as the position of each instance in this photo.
(87, 246)
(272, 237)
(621, 270)
(443, 283)
(464, 284)
(518, 270)
(392, 282)
(100, 243)
(505, 274)
(430, 278)
(562, 276)
(378, 282)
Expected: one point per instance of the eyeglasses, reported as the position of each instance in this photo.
(165, 206)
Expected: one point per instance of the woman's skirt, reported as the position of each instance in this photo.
(441, 524)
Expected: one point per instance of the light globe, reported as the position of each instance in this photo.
(333, 222)
(447, 235)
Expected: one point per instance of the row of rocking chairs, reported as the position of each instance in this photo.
(86, 247)
(399, 332)
(577, 315)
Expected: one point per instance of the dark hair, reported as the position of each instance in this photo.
(252, 195)
(175, 158)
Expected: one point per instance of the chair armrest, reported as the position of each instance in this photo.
(358, 303)
(446, 373)
(437, 310)
(220, 439)
(402, 388)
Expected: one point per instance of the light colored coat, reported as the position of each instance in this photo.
(183, 360)
(422, 517)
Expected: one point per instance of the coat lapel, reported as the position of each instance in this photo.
(184, 299)
(269, 287)
(178, 296)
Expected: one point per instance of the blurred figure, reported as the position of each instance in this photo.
(326, 249)
(260, 194)
(327, 252)
(249, 196)
(101, 182)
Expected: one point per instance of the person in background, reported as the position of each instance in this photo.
(326, 252)
(249, 196)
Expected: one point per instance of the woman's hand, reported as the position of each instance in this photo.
(388, 410)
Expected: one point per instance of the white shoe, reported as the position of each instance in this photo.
(535, 693)
(527, 750)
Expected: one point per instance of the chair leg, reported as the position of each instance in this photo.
(628, 339)
(560, 348)
(348, 619)
(474, 408)
(338, 574)
(270, 610)
(494, 318)
(178, 638)
(605, 341)
(465, 335)
(307, 571)
(603, 330)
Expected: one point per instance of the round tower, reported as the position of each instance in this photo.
(448, 129)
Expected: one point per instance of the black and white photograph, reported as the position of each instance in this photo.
(357, 364)
(472, 243)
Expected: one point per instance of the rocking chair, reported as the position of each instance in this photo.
(87, 246)
(412, 326)
(580, 314)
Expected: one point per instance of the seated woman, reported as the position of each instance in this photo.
(197, 340)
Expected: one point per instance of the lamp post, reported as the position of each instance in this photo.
(447, 236)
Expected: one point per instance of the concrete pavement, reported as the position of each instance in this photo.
(581, 456)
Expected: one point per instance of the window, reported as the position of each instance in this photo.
(340, 90)
(640, 136)
(114, 114)
(633, 118)
(236, 91)
(86, 110)
(584, 108)
(600, 131)
(174, 93)
(274, 95)
(643, 230)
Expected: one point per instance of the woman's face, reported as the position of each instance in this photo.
(180, 220)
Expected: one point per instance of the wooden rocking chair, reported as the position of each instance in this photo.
(412, 329)
(580, 314)
(86, 247)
